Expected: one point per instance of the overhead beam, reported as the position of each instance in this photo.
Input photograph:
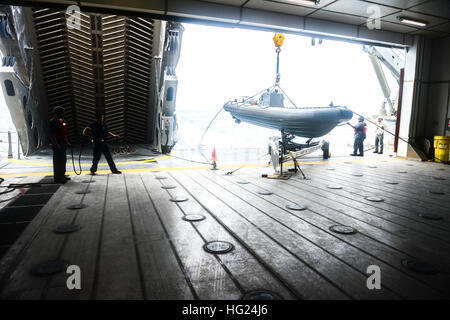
(232, 16)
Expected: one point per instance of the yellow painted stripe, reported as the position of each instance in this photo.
(196, 167)
(43, 164)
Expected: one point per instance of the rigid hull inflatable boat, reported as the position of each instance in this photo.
(269, 112)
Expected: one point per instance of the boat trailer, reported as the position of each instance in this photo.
(283, 149)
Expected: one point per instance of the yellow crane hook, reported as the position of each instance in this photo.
(278, 39)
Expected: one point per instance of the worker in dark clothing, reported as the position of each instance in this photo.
(99, 130)
(58, 137)
(360, 135)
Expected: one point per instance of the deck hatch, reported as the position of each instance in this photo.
(218, 247)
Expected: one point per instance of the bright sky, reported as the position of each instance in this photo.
(221, 64)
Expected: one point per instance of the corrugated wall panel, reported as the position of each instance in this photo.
(104, 65)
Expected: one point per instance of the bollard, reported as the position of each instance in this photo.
(10, 155)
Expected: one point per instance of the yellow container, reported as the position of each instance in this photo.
(441, 148)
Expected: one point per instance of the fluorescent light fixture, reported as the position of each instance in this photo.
(307, 2)
(413, 21)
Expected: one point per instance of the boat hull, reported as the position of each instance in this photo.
(302, 122)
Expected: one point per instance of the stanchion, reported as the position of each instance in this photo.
(18, 146)
(10, 154)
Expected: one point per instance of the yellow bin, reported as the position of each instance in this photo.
(441, 148)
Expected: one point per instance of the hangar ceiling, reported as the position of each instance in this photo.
(345, 19)
(436, 12)
(355, 12)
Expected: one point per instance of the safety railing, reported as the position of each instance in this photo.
(10, 145)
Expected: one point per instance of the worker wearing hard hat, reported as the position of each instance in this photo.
(360, 135)
(381, 126)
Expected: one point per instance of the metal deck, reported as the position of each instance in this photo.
(134, 244)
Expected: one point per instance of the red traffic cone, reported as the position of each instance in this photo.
(214, 158)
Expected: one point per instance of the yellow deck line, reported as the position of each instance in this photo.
(69, 162)
(198, 167)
